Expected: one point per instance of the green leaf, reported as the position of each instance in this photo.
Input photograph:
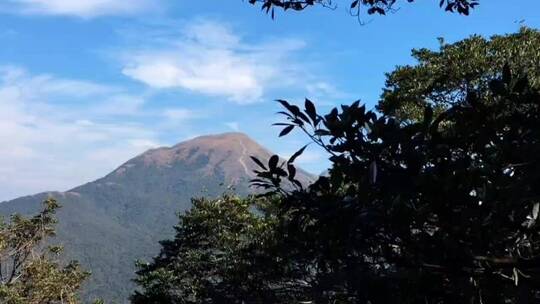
(292, 171)
(286, 131)
(273, 162)
(296, 154)
(311, 111)
(258, 162)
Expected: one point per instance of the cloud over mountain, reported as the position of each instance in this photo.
(210, 58)
(48, 142)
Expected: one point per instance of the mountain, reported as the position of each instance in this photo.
(108, 224)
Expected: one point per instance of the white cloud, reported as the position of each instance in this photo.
(233, 125)
(49, 144)
(46, 85)
(324, 91)
(120, 104)
(179, 114)
(210, 58)
(79, 8)
(309, 157)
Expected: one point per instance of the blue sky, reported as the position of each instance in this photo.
(87, 84)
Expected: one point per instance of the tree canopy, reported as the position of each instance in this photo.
(442, 210)
(30, 271)
(442, 78)
(214, 256)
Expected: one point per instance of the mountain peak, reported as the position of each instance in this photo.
(227, 154)
(225, 135)
(222, 138)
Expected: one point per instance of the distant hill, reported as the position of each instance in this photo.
(109, 223)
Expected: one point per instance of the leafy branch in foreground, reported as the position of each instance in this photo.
(358, 7)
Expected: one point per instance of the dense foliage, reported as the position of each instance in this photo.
(442, 78)
(212, 258)
(357, 7)
(30, 272)
(443, 210)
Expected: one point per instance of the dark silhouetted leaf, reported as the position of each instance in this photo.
(286, 131)
(311, 111)
(258, 162)
(273, 162)
(292, 171)
(296, 154)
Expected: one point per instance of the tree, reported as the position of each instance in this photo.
(443, 209)
(30, 272)
(215, 255)
(357, 7)
(442, 78)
